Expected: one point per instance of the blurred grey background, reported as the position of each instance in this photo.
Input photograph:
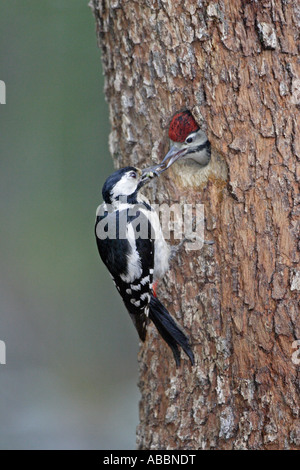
(71, 372)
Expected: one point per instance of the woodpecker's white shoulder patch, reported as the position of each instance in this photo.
(134, 268)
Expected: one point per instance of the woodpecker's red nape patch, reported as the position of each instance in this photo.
(181, 126)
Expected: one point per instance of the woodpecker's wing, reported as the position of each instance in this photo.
(113, 248)
(130, 260)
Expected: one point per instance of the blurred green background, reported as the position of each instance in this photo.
(71, 372)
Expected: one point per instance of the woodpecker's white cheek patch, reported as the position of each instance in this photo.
(124, 187)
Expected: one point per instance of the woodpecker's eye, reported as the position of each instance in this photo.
(189, 140)
(132, 174)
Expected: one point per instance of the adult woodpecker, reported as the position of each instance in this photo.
(188, 141)
(131, 245)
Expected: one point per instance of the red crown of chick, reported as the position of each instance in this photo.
(181, 126)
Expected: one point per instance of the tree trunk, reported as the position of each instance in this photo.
(235, 65)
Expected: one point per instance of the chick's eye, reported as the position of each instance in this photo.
(132, 174)
(189, 140)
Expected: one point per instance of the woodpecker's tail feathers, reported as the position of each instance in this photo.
(140, 322)
(169, 330)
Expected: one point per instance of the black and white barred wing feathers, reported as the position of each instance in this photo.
(129, 259)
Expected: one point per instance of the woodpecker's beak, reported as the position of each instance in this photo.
(173, 154)
(171, 157)
(146, 175)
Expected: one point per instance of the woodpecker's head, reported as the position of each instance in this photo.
(125, 182)
(188, 141)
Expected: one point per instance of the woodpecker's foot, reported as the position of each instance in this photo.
(208, 242)
(176, 249)
(194, 225)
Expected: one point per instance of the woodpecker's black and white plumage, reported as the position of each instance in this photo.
(136, 254)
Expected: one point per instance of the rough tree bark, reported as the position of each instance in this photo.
(235, 65)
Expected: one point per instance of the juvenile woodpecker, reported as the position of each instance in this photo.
(188, 141)
(131, 245)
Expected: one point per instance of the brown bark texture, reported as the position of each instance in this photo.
(235, 64)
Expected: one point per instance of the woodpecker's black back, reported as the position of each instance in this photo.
(131, 263)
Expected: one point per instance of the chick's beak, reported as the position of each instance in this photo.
(171, 157)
